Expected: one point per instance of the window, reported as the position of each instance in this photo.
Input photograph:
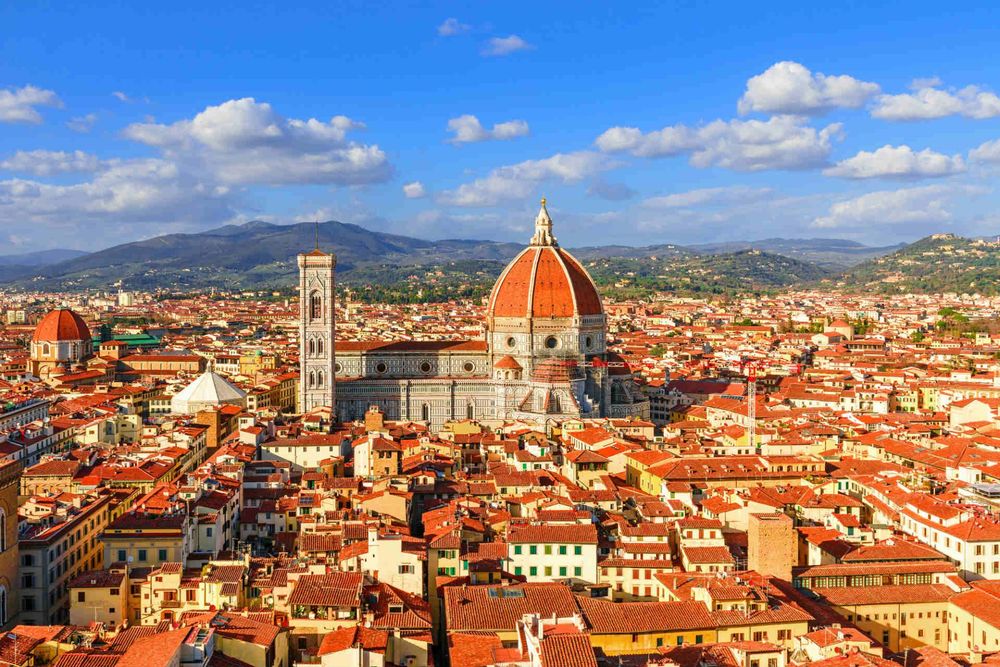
(562, 571)
(425, 412)
(577, 571)
(577, 550)
(315, 306)
(517, 549)
(533, 549)
(408, 568)
(161, 555)
(122, 555)
(28, 604)
(562, 549)
(27, 580)
(517, 570)
(27, 560)
(551, 342)
(698, 639)
(548, 570)
(533, 571)
(142, 555)
(548, 549)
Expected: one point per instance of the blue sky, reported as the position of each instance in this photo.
(641, 123)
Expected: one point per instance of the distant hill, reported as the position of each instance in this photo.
(41, 257)
(253, 254)
(937, 263)
(391, 267)
(829, 253)
(704, 274)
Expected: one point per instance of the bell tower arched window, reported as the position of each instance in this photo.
(319, 379)
(425, 412)
(470, 411)
(312, 379)
(315, 306)
(312, 346)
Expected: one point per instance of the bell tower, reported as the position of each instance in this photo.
(317, 326)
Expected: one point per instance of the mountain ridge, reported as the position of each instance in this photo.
(262, 254)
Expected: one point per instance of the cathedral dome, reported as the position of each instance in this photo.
(60, 325)
(544, 281)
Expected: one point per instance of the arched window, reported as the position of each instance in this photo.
(312, 379)
(312, 346)
(315, 306)
(319, 379)
(45, 349)
(470, 410)
(3, 605)
(319, 346)
(425, 412)
(3, 531)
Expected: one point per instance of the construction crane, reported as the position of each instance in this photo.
(750, 368)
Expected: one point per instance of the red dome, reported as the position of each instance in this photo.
(544, 281)
(61, 324)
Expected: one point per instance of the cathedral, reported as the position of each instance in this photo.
(543, 354)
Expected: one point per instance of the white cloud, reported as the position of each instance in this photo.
(925, 205)
(246, 142)
(781, 142)
(790, 88)
(17, 105)
(133, 191)
(930, 101)
(897, 162)
(128, 99)
(520, 180)
(709, 197)
(502, 46)
(452, 26)
(414, 190)
(47, 163)
(986, 152)
(82, 124)
(468, 129)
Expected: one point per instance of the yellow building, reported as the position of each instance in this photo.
(166, 594)
(147, 540)
(99, 596)
(974, 620)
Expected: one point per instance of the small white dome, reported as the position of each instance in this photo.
(208, 390)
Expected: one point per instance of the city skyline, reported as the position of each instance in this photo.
(663, 126)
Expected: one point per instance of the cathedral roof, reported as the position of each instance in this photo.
(544, 281)
(61, 324)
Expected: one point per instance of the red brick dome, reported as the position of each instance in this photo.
(544, 281)
(61, 324)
